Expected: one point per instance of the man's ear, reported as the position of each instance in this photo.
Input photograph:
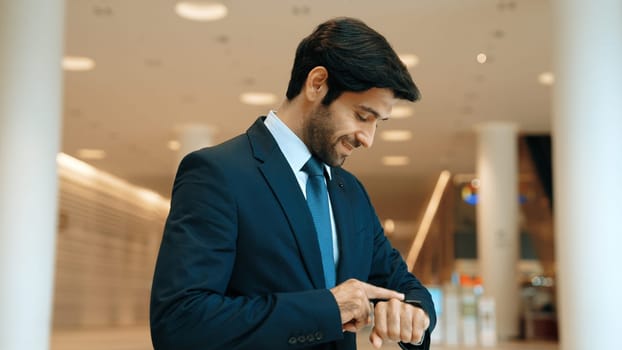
(316, 86)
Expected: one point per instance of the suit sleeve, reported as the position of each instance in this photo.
(390, 271)
(190, 307)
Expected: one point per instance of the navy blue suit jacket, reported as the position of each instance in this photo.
(239, 266)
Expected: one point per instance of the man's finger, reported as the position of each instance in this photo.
(393, 312)
(349, 327)
(374, 292)
(375, 339)
(380, 320)
(407, 324)
(421, 322)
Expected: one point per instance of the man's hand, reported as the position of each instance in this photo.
(398, 321)
(353, 298)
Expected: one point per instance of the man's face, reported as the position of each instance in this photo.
(333, 132)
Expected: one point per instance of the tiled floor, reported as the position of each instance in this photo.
(137, 338)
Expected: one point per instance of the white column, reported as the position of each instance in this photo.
(497, 221)
(193, 137)
(31, 33)
(587, 150)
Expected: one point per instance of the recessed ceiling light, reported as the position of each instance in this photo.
(258, 98)
(546, 78)
(174, 145)
(481, 58)
(396, 135)
(91, 153)
(78, 64)
(409, 60)
(395, 160)
(201, 11)
(399, 112)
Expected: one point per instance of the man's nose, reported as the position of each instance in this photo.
(365, 136)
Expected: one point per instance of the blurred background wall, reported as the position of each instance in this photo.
(108, 235)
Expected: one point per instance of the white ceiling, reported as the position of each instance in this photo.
(156, 71)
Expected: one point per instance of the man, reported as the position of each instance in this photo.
(269, 243)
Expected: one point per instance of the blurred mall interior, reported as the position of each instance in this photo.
(500, 188)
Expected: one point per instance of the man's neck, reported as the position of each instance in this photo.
(292, 115)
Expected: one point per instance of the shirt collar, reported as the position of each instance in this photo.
(295, 151)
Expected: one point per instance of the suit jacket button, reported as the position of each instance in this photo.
(319, 335)
(292, 340)
(301, 339)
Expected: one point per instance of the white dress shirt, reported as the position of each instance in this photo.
(297, 154)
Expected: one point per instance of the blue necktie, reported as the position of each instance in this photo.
(317, 200)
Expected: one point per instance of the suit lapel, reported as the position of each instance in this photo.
(284, 185)
(344, 221)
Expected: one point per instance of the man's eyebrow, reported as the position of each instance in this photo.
(372, 111)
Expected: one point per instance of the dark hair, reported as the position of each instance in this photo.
(357, 59)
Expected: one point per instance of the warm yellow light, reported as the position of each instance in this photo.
(107, 183)
(78, 64)
(400, 112)
(409, 60)
(546, 78)
(201, 11)
(389, 226)
(395, 160)
(428, 216)
(482, 58)
(396, 135)
(89, 153)
(148, 196)
(258, 98)
(174, 145)
(74, 165)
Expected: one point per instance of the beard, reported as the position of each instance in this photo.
(318, 133)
